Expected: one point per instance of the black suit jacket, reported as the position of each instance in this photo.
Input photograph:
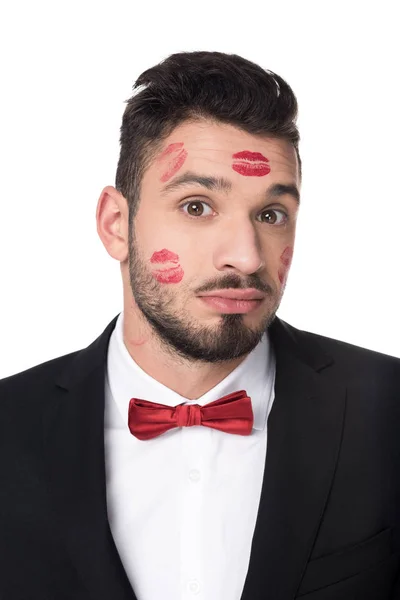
(328, 525)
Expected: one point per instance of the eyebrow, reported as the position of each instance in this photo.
(220, 184)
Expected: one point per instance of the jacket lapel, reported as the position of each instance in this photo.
(304, 437)
(304, 434)
(74, 446)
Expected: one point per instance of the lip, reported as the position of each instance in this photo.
(248, 294)
(229, 306)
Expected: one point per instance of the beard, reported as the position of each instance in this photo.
(179, 332)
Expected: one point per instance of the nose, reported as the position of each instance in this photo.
(240, 249)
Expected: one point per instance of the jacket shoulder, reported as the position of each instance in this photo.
(349, 356)
(34, 379)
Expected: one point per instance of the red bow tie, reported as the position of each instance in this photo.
(231, 413)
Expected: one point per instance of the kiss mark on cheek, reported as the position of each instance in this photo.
(168, 275)
(163, 256)
(174, 275)
(250, 164)
(286, 259)
(174, 155)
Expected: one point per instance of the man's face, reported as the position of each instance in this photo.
(196, 237)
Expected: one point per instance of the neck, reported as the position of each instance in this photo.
(188, 378)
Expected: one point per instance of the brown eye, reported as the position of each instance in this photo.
(193, 208)
(272, 218)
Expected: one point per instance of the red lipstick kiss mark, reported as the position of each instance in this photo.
(164, 256)
(251, 164)
(176, 155)
(286, 259)
(286, 256)
(171, 275)
(174, 275)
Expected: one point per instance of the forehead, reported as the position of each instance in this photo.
(211, 146)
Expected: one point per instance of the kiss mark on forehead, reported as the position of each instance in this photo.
(250, 164)
(174, 155)
(169, 275)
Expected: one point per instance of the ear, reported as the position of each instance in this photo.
(112, 222)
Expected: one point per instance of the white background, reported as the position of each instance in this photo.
(66, 70)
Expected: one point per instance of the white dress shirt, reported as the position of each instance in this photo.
(182, 506)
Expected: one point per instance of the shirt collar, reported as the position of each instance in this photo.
(126, 380)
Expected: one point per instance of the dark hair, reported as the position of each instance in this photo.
(199, 85)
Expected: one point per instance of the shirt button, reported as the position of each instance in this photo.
(193, 586)
(194, 475)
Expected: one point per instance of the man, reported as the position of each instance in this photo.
(201, 447)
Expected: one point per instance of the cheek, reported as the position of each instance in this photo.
(167, 268)
(285, 261)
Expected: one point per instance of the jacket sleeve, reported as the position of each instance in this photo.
(396, 589)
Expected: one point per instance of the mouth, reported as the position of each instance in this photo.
(233, 294)
(231, 306)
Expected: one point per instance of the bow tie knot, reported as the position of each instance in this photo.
(188, 415)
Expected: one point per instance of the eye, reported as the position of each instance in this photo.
(193, 211)
(272, 219)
